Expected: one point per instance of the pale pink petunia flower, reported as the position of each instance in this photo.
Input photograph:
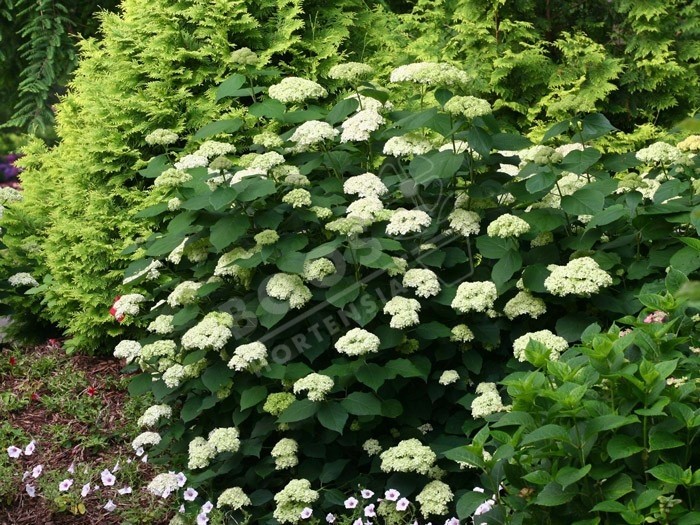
(306, 513)
(370, 511)
(25, 475)
(181, 479)
(30, 448)
(202, 518)
(31, 490)
(190, 494)
(65, 485)
(366, 493)
(181, 510)
(125, 490)
(330, 518)
(402, 504)
(351, 503)
(71, 469)
(452, 521)
(116, 467)
(206, 508)
(36, 471)
(14, 452)
(109, 506)
(108, 478)
(392, 494)
(85, 490)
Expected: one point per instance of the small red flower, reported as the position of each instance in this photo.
(91, 391)
(35, 397)
(54, 343)
(13, 360)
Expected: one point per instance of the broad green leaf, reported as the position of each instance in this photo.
(617, 487)
(253, 188)
(534, 277)
(551, 431)
(583, 202)
(221, 126)
(332, 416)
(291, 262)
(251, 396)
(557, 129)
(570, 475)
(538, 477)
(402, 367)
(668, 473)
(492, 247)
(344, 292)
(332, 470)
(298, 411)
(156, 166)
(610, 506)
(506, 266)
(140, 384)
(391, 408)
(216, 376)
(579, 161)
(479, 140)
(469, 502)
(371, 375)
(541, 181)
(510, 142)
(229, 86)
(268, 108)
(661, 440)
(433, 330)
(191, 408)
(442, 165)
(165, 244)
(594, 126)
(227, 230)
(553, 495)
(608, 216)
(342, 110)
(675, 280)
(362, 404)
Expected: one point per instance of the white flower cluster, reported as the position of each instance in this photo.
(244, 57)
(164, 484)
(358, 127)
(23, 279)
(286, 286)
(659, 153)
(184, 293)
(469, 107)
(200, 453)
(477, 296)
(151, 272)
(297, 198)
(214, 148)
(234, 498)
(295, 90)
(318, 269)
(541, 155)
(239, 176)
(400, 267)
(268, 139)
(172, 178)
(488, 401)
(293, 499)
(568, 184)
(8, 195)
(128, 305)
(690, 143)
(430, 73)
(351, 72)
(404, 312)
(347, 226)
(163, 348)
(285, 454)
(175, 256)
(153, 414)
(251, 357)
(554, 343)
(409, 455)
(365, 102)
(448, 377)
(365, 185)
(128, 350)
(424, 281)
(213, 332)
(225, 266)
(191, 161)
(406, 146)
(434, 498)
(507, 225)
(357, 342)
(313, 132)
(173, 376)
(405, 221)
(367, 209)
(316, 386)
(161, 137)
(464, 222)
(581, 276)
(462, 334)
(524, 303)
(225, 439)
(372, 447)
(145, 438)
(163, 324)
(264, 162)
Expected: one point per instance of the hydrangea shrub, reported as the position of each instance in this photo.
(330, 310)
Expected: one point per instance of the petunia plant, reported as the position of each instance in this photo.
(331, 300)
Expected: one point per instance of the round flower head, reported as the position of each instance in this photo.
(297, 198)
(424, 281)
(163, 484)
(581, 276)
(488, 401)
(266, 237)
(251, 356)
(184, 293)
(469, 107)
(434, 498)
(234, 498)
(200, 453)
(265, 162)
(316, 386)
(365, 185)
(406, 146)
(293, 499)
(211, 332)
(268, 139)
(285, 286)
(154, 414)
(128, 350)
(226, 267)
(464, 222)
(357, 342)
(318, 269)
(161, 137)
(244, 57)
(224, 439)
(541, 155)
(476, 296)
(128, 305)
(462, 334)
(405, 221)
(213, 148)
(524, 303)
(448, 377)
(145, 438)
(191, 161)
(285, 454)
(366, 209)
(430, 73)
(409, 455)
(691, 144)
(659, 153)
(554, 343)
(358, 127)
(351, 72)
(507, 225)
(295, 90)
(372, 447)
(278, 402)
(404, 312)
(313, 132)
